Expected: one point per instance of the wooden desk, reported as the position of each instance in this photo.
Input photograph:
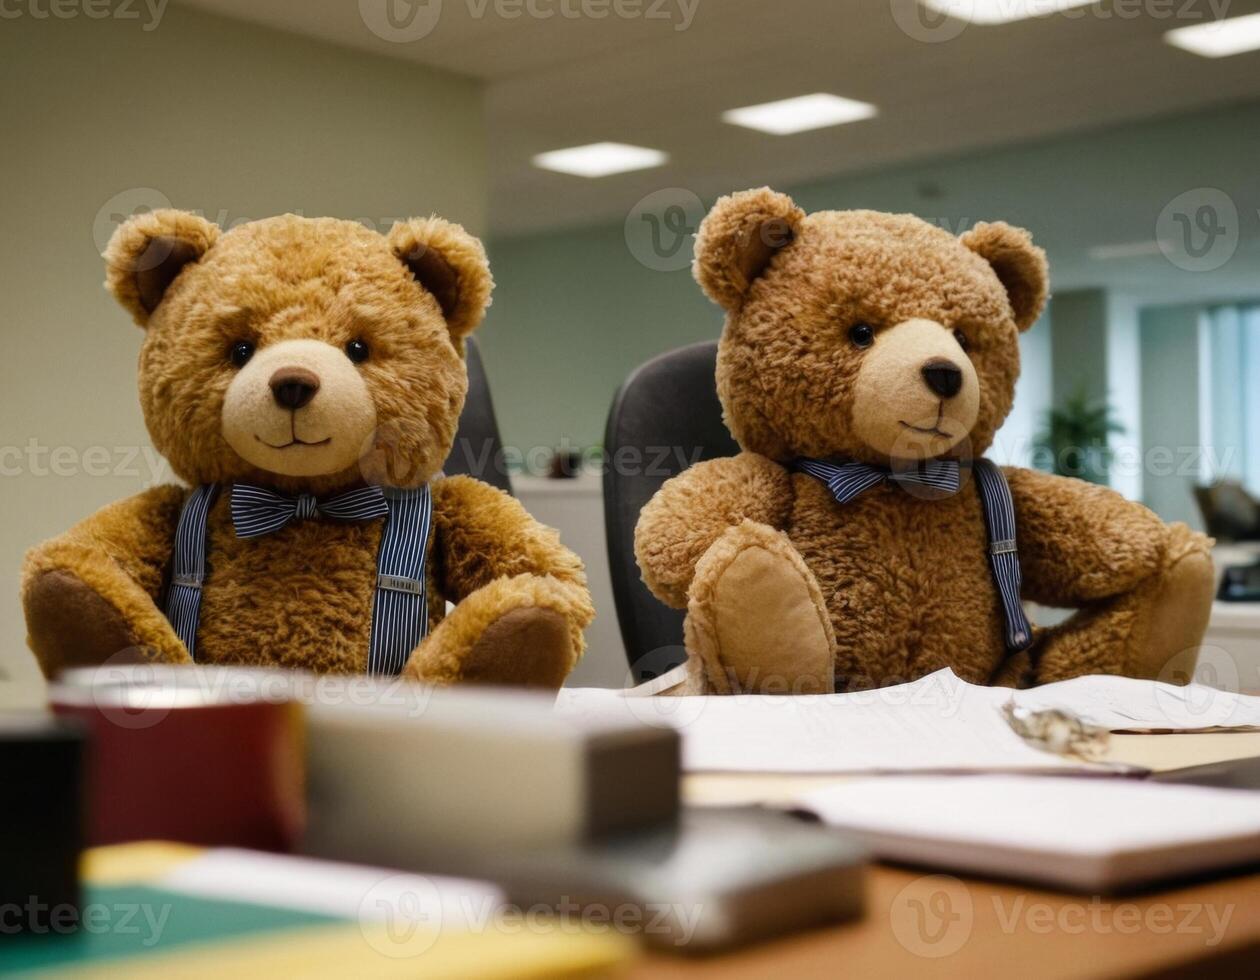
(922, 923)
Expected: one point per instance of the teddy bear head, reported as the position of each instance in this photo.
(862, 335)
(305, 354)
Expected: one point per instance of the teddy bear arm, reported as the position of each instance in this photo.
(1079, 542)
(692, 510)
(91, 594)
(521, 596)
(1143, 589)
(483, 534)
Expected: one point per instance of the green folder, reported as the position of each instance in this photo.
(133, 920)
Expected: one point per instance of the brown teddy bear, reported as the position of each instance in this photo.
(860, 539)
(306, 377)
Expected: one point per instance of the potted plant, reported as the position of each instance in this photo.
(1074, 441)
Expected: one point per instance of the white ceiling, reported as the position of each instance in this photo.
(560, 81)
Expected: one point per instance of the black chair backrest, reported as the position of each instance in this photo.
(478, 450)
(664, 418)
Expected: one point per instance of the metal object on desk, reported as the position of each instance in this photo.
(719, 877)
(1056, 731)
(433, 779)
(1230, 774)
(579, 815)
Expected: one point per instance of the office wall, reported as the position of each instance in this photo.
(573, 313)
(1171, 422)
(101, 117)
(1095, 353)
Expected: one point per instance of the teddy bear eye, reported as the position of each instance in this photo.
(241, 352)
(862, 334)
(357, 351)
(963, 342)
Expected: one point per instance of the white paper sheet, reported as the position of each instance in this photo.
(349, 891)
(1074, 832)
(938, 723)
(1126, 704)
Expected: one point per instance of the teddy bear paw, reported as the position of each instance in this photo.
(527, 647)
(756, 617)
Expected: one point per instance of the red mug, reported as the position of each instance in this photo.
(203, 755)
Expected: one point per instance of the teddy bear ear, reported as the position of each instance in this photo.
(148, 251)
(1019, 264)
(737, 240)
(451, 264)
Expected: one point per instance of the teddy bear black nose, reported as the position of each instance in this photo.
(943, 377)
(293, 387)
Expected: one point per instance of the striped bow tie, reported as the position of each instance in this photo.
(257, 511)
(846, 481)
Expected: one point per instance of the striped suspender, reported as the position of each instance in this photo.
(999, 517)
(188, 569)
(400, 606)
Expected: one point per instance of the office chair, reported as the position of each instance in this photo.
(665, 417)
(478, 450)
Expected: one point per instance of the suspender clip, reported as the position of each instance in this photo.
(189, 580)
(1004, 547)
(399, 583)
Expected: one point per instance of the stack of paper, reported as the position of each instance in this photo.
(1127, 704)
(939, 723)
(1092, 834)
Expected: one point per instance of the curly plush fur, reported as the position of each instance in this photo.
(303, 595)
(902, 583)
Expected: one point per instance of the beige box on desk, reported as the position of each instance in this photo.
(440, 779)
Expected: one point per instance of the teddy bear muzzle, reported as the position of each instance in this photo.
(299, 408)
(916, 394)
